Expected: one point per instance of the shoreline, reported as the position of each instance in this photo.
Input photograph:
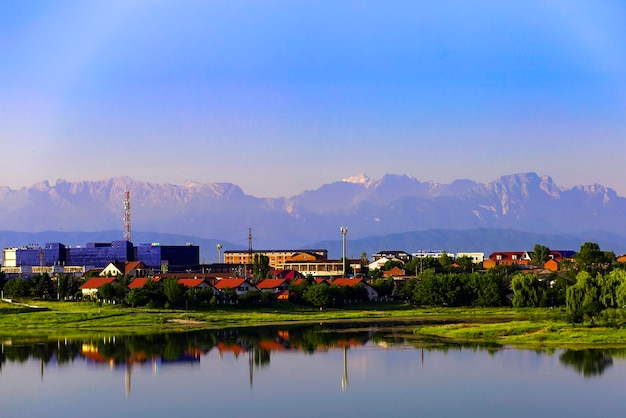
(537, 327)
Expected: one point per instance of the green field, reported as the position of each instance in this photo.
(520, 327)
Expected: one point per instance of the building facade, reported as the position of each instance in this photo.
(276, 257)
(100, 254)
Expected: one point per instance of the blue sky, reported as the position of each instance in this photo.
(279, 97)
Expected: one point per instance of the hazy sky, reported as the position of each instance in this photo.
(284, 96)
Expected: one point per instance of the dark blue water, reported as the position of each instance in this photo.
(371, 371)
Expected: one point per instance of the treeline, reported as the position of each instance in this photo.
(169, 293)
(41, 286)
(591, 286)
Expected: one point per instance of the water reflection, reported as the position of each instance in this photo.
(589, 362)
(257, 345)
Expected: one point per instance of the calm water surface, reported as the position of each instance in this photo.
(303, 371)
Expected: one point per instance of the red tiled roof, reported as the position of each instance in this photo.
(132, 265)
(395, 271)
(346, 282)
(229, 283)
(141, 282)
(270, 283)
(96, 282)
(191, 282)
(317, 280)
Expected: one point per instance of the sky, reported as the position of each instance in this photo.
(279, 97)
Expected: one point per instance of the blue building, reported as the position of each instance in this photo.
(50, 254)
(175, 258)
(99, 254)
(169, 257)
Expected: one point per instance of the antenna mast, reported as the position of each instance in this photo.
(250, 245)
(127, 215)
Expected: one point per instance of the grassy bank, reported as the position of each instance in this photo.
(63, 317)
(519, 327)
(529, 333)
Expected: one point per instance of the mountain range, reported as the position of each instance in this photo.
(373, 211)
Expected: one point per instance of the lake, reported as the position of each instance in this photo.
(365, 370)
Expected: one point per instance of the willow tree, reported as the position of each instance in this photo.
(528, 291)
(583, 299)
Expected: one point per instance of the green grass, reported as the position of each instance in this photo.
(520, 327)
(529, 333)
(83, 316)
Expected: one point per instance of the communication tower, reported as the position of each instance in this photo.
(249, 245)
(127, 216)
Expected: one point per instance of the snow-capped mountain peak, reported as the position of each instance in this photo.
(358, 179)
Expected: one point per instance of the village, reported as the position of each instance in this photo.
(161, 275)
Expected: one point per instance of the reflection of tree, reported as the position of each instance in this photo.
(261, 357)
(587, 362)
(67, 351)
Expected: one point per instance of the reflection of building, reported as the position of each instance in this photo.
(92, 354)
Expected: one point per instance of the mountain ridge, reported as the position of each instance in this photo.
(393, 204)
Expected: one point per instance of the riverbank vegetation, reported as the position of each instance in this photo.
(584, 302)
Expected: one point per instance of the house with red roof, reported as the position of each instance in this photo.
(507, 258)
(197, 284)
(91, 286)
(128, 269)
(240, 285)
(273, 285)
(394, 272)
(372, 294)
(140, 282)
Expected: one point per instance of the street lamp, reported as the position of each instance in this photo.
(344, 232)
(219, 253)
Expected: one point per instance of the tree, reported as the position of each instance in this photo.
(106, 291)
(540, 255)
(608, 285)
(17, 288)
(405, 290)
(446, 261)
(593, 260)
(528, 291)
(67, 285)
(174, 291)
(465, 263)
(261, 267)
(383, 286)
(318, 295)
(489, 289)
(389, 264)
(374, 274)
(556, 291)
(42, 286)
(583, 299)
(620, 292)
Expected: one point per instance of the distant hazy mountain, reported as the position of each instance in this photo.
(393, 204)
